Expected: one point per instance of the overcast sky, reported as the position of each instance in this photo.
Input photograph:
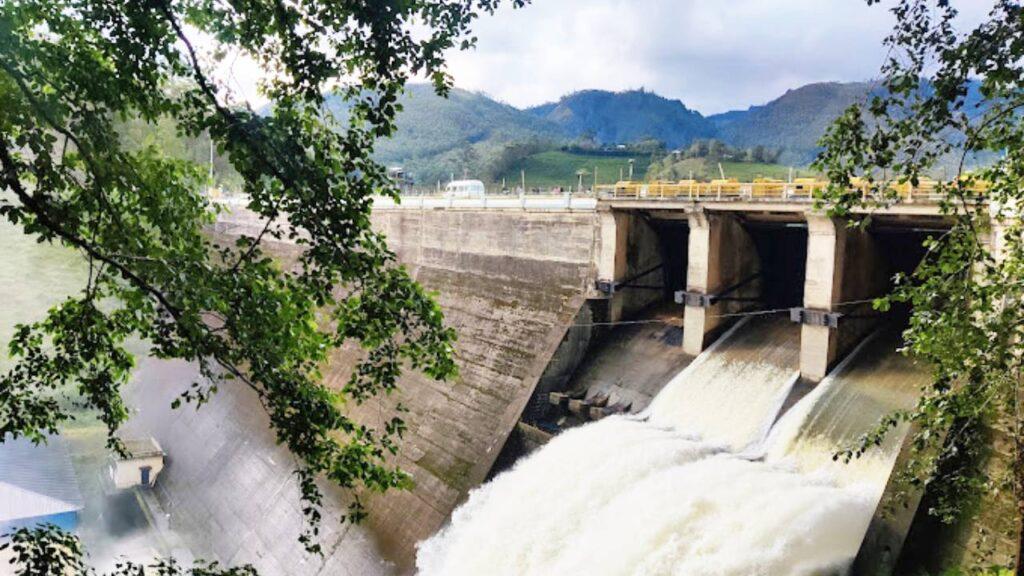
(714, 55)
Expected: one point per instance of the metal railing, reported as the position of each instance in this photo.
(799, 190)
(498, 202)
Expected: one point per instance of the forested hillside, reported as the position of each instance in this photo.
(792, 123)
(467, 132)
(619, 117)
(470, 134)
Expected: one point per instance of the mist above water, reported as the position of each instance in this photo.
(672, 493)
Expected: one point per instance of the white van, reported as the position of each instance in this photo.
(464, 189)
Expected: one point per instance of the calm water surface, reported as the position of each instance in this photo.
(33, 277)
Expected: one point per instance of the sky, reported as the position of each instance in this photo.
(714, 55)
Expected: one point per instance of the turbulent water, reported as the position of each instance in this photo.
(686, 490)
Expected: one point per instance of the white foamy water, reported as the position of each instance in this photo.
(630, 496)
(750, 370)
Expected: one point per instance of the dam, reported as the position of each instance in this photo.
(645, 368)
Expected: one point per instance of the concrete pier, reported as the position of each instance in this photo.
(721, 257)
(629, 264)
(844, 265)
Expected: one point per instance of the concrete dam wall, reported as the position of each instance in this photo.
(531, 294)
(509, 282)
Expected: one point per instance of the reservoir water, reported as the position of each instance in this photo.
(33, 277)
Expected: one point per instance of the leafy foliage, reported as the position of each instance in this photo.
(74, 71)
(49, 551)
(967, 296)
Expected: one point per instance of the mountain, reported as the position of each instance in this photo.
(793, 122)
(466, 131)
(470, 133)
(431, 125)
(619, 117)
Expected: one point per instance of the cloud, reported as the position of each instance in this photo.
(712, 55)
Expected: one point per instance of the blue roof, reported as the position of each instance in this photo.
(36, 480)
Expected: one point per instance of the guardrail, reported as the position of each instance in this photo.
(714, 190)
(420, 202)
(506, 202)
(799, 190)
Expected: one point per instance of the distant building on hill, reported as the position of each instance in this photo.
(37, 485)
(401, 179)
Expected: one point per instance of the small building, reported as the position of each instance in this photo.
(141, 466)
(401, 179)
(37, 485)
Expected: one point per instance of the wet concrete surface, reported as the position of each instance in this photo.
(228, 491)
(114, 525)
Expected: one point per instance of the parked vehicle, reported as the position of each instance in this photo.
(464, 189)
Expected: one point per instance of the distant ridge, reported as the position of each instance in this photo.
(621, 117)
(471, 133)
(438, 136)
(794, 122)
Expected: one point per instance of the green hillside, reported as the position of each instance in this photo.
(462, 134)
(792, 123)
(558, 168)
(703, 169)
(622, 117)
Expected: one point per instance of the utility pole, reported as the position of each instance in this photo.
(522, 174)
(211, 161)
(630, 169)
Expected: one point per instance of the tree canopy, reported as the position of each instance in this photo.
(967, 295)
(73, 71)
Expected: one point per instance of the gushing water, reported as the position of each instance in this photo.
(660, 495)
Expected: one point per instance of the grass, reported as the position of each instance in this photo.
(553, 168)
(742, 171)
(558, 168)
